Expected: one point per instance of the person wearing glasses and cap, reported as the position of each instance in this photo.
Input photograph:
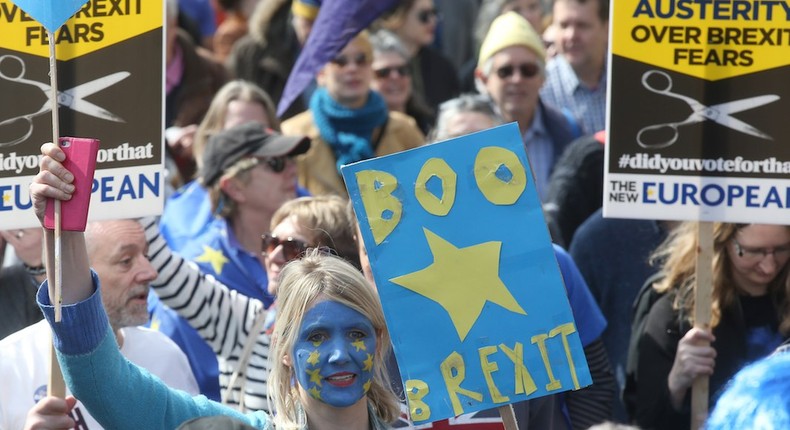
(510, 70)
(249, 173)
(750, 317)
(347, 121)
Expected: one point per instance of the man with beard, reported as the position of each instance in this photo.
(117, 252)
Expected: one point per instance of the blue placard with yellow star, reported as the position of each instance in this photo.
(467, 276)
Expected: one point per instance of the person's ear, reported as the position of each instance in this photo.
(320, 77)
(231, 187)
(287, 360)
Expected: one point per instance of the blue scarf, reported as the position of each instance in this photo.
(348, 131)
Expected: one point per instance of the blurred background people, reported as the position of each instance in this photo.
(576, 76)
(392, 79)
(434, 78)
(277, 31)
(347, 121)
(511, 70)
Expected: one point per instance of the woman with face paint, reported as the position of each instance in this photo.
(329, 338)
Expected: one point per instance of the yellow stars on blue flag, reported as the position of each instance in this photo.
(215, 257)
(461, 280)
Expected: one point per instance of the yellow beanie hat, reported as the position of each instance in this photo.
(307, 9)
(510, 29)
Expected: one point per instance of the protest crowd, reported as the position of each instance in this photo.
(220, 312)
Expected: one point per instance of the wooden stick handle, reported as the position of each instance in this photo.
(702, 310)
(508, 417)
(56, 386)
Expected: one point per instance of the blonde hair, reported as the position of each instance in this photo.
(327, 220)
(214, 120)
(677, 258)
(303, 282)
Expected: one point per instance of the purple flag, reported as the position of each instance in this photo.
(337, 23)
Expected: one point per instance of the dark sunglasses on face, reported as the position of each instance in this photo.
(275, 164)
(386, 72)
(527, 70)
(292, 248)
(426, 15)
(342, 61)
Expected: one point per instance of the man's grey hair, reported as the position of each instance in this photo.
(386, 42)
(465, 103)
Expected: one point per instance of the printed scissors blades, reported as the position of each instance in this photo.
(719, 113)
(73, 98)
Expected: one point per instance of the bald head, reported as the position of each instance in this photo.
(117, 252)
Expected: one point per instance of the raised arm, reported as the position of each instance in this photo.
(55, 182)
(223, 317)
(96, 372)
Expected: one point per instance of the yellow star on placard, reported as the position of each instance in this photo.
(315, 376)
(461, 280)
(313, 357)
(314, 393)
(368, 363)
(215, 257)
(359, 345)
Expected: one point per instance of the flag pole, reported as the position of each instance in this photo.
(56, 386)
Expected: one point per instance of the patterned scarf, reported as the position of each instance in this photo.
(348, 131)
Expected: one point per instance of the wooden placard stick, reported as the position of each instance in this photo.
(56, 386)
(508, 417)
(702, 310)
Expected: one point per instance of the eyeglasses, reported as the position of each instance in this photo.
(754, 255)
(292, 248)
(275, 164)
(342, 61)
(425, 15)
(527, 70)
(386, 72)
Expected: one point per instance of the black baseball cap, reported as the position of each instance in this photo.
(228, 146)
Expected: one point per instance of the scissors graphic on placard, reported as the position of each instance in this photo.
(720, 113)
(73, 98)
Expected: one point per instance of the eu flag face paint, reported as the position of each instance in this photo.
(333, 354)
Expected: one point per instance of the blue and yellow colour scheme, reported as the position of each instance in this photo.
(467, 276)
(110, 67)
(698, 100)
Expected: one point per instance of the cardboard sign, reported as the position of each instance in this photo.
(698, 100)
(110, 87)
(467, 275)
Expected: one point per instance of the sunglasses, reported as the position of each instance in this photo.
(426, 15)
(342, 61)
(527, 70)
(386, 72)
(292, 248)
(275, 164)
